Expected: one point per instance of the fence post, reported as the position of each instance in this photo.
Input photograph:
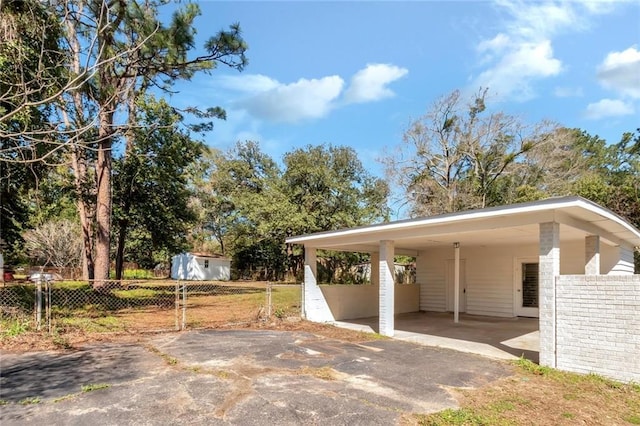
(39, 302)
(268, 299)
(48, 305)
(177, 303)
(184, 306)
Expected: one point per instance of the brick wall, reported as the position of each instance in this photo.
(598, 325)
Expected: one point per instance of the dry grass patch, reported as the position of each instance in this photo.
(323, 373)
(542, 396)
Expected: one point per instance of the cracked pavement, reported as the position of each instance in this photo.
(237, 377)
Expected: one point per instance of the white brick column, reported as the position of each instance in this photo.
(549, 268)
(315, 305)
(592, 255)
(387, 288)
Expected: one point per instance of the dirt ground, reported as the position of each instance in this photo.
(36, 341)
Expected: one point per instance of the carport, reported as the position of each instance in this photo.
(496, 262)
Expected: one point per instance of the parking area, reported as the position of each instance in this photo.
(237, 377)
(500, 338)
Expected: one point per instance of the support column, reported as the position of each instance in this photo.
(375, 269)
(549, 269)
(315, 305)
(592, 255)
(456, 282)
(387, 288)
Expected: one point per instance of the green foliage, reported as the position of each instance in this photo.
(137, 274)
(152, 172)
(279, 313)
(14, 327)
(251, 206)
(531, 367)
(330, 189)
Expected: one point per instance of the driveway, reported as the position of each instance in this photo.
(237, 377)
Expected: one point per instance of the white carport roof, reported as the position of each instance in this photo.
(512, 224)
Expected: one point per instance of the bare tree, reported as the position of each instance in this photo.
(55, 243)
(458, 155)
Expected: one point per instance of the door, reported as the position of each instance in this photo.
(527, 289)
(462, 304)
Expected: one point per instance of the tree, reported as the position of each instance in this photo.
(151, 191)
(117, 50)
(460, 155)
(330, 189)
(258, 205)
(214, 210)
(55, 243)
(30, 70)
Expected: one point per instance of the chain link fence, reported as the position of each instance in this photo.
(141, 305)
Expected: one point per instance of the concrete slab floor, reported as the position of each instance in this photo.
(501, 338)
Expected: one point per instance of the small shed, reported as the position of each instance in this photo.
(200, 267)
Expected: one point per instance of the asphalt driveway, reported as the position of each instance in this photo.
(237, 377)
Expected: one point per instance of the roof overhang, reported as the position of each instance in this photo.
(511, 224)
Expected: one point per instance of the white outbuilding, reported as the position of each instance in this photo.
(566, 261)
(200, 267)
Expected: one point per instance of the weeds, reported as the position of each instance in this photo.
(16, 327)
(533, 368)
(30, 400)
(450, 416)
(323, 373)
(166, 357)
(93, 387)
(64, 398)
(634, 419)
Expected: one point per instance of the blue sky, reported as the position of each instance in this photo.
(356, 73)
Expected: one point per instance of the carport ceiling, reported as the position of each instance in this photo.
(518, 223)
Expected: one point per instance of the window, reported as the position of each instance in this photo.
(206, 264)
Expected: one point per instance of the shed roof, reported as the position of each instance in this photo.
(515, 223)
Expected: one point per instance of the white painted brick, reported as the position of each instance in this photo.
(598, 325)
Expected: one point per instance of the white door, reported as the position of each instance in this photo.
(527, 288)
(462, 304)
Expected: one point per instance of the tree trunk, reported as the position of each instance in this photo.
(79, 164)
(103, 199)
(80, 170)
(122, 238)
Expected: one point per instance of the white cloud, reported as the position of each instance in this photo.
(370, 84)
(304, 99)
(512, 74)
(620, 71)
(539, 20)
(608, 108)
(250, 83)
(265, 98)
(522, 51)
